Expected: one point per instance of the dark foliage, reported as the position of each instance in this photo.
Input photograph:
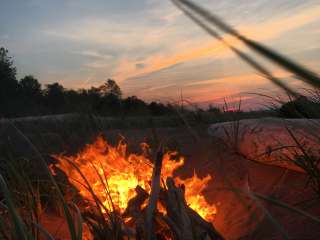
(301, 107)
(27, 98)
(9, 83)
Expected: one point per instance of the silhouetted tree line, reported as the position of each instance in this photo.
(26, 97)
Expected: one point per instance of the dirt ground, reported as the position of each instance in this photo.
(240, 214)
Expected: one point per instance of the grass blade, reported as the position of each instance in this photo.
(66, 211)
(19, 226)
(44, 231)
(245, 57)
(303, 73)
(286, 206)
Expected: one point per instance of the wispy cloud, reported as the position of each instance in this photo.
(94, 54)
(149, 46)
(274, 28)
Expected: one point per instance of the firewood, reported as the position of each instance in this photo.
(184, 222)
(177, 211)
(155, 189)
(133, 209)
(180, 221)
(134, 212)
(208, 228)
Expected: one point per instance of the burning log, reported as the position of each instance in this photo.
(134, 211)
(177, 211)
(184, 221)
(205, 229)
(180, 221)
(135, 204)
(155, 189)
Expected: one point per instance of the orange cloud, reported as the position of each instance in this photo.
(216, 90)
(126, 67)
(187, 52)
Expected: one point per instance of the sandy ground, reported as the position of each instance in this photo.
(240, 216)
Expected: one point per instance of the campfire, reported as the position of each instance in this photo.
(125, 184)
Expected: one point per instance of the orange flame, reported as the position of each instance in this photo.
(111, 172)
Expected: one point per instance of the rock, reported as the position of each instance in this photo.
(269, 140)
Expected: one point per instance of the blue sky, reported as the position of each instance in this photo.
(150, 48)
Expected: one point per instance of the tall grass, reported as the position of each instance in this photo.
(310, 164)
(22, 203)
(26, 193)
(35, 202)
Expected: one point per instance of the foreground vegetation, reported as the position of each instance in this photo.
(28, 186)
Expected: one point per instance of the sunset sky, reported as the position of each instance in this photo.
(153, 50)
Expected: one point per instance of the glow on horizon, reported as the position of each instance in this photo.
(151, 48)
